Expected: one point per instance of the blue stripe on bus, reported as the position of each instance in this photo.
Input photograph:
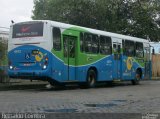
(57, 69)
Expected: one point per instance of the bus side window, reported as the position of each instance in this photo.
(82, 42)
(105, 45)
(94, 43)
(139, 50)
(123, 46)
(91, 43)
(88, 42)
(129, 49)
(114, 48)
(146, 53)
(56, 38)
(119, 49)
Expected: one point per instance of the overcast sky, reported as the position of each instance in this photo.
(16, 10)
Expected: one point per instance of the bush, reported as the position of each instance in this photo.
(3, 54)
(3, 76)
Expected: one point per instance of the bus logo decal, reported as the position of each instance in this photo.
(27, 56)
(25, 29)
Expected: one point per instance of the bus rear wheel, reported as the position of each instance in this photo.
(137, 77)
(91, 78)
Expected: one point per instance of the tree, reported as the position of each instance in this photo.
(3, 48)
(130, 17)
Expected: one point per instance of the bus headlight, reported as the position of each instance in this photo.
(44, 67)
(11, 67)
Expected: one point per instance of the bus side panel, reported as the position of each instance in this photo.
(129, 67)
(57, 69)
(104, 70)
(126, 69)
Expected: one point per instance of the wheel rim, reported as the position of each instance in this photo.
(91, 79)
(138, 77)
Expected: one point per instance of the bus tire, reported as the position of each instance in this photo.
(56, 85)
(138, 77)
(91, 78)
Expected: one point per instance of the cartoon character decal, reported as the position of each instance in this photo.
(39, 57)
(129, 63)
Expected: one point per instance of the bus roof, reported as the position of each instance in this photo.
(94, 31)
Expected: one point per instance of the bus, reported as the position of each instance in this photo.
(63, 53)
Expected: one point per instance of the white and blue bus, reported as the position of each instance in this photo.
(64, 53)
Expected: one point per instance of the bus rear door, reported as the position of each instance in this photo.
(117, 61)
(69, 49)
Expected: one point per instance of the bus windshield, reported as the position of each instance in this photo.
(27, 30)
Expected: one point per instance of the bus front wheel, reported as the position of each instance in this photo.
(91, 78)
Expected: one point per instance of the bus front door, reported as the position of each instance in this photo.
(117, 61)
(69, 49)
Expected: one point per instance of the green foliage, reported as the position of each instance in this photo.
(130, 17)
(3, 54)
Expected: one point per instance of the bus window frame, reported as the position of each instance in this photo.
(128, 48)
(95, 43)
(108, 44)
(81, 36)
(142, 50)
(53, 39)
(88, 43)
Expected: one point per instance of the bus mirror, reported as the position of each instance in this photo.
(153, 51)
